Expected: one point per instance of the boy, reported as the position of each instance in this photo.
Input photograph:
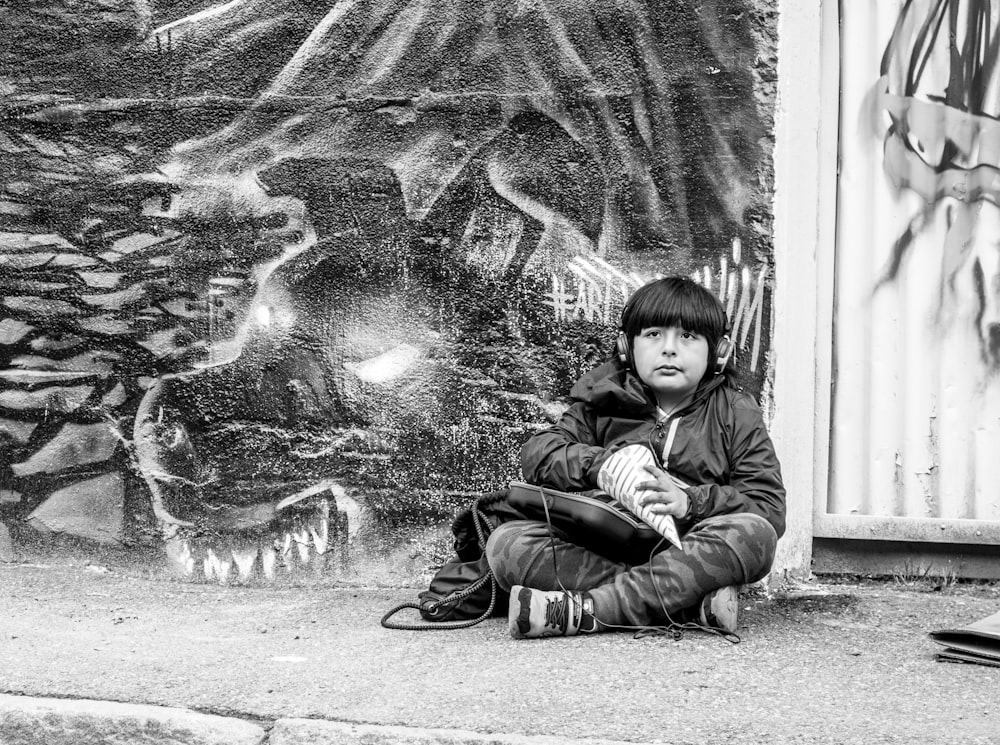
(669, 389)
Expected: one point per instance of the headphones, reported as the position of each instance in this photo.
(723, 351)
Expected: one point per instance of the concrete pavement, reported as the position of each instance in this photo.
(110, 654)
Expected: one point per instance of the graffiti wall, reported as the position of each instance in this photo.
(917, 404)
(283, 278)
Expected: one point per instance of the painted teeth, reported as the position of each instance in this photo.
(179, 553)
(302, 543)
(216, 567)
(244, 562)
(299, 546)
(268, 560)
(320, 541)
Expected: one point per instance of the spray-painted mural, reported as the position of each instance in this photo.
(282, 276)
(917, 402)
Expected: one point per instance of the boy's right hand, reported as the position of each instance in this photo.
(662, 495)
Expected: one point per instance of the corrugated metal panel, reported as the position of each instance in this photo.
(916, 403)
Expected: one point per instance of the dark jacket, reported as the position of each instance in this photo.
(721, 445)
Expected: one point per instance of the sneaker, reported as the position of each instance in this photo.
(720, 609)
(536, 613)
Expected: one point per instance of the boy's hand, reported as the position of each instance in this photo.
(662, 495)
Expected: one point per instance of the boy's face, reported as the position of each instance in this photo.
(671, 361)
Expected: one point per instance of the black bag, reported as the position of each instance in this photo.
(593, 520)
(463, 591)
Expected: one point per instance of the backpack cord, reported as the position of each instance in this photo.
(481, 524)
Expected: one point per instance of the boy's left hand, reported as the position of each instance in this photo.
(662, 494)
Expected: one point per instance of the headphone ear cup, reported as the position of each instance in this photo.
(722, 353)
(624, 349)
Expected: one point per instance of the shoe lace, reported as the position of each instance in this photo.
(557, 612)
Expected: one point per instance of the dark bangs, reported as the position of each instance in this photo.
(675, 301)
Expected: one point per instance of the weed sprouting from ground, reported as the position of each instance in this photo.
(927, 576)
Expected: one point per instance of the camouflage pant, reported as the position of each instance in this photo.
(719, 551)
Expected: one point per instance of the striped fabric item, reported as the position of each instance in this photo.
(620, 476)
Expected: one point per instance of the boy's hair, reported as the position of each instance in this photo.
(676, 301)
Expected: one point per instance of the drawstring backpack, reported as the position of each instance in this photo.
(463, 592)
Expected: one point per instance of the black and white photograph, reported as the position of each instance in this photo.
(518, 372)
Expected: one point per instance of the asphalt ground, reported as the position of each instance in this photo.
(818, 662)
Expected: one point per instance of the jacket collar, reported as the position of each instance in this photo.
(612, 386)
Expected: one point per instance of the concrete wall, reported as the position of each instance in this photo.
(286, 279)
(805, 161)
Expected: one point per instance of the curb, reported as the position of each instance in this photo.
(56, 721)
(26, 720)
